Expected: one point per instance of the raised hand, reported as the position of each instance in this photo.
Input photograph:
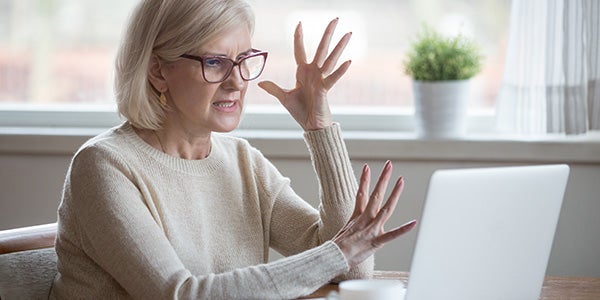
(364, 233)
(307, 102)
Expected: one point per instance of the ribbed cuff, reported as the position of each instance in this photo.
(303, 273)
(364, 270)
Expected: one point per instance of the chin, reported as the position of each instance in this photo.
(227, 126)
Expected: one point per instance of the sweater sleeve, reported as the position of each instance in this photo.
(337, 183)
(122, 241)
(337, 191)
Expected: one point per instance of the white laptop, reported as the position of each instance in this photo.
(486, 233)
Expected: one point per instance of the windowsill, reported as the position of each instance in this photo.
(361, 145)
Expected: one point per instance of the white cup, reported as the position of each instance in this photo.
(372, 289)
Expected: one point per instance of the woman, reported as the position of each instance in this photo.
(163, 206)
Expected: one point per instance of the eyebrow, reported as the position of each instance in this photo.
(241, 54)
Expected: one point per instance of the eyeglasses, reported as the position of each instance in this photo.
(217, 69)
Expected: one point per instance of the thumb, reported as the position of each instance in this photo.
(273, 89)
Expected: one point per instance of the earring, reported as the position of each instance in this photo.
(163, 100)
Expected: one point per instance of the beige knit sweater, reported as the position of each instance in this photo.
(137, 223)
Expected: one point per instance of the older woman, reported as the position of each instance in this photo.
(165, 207)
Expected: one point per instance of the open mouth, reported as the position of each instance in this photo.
(224, 104)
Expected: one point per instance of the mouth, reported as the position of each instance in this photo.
(226, 105)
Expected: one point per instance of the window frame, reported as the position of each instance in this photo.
(254, 118)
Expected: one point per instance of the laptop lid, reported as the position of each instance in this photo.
(486, 233)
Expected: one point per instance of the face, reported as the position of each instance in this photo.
(199, 106)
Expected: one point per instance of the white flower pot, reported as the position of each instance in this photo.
(440, 108)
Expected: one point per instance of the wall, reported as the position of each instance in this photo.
(32, 169)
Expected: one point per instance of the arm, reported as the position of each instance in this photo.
(297, 226)
(337, 183)
(308, 104)
(364, 234)
(337, 187)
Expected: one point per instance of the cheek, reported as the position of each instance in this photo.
(199, 95)
(187, 89)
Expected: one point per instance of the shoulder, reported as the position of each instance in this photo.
(109, 146)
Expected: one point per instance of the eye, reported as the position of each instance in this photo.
(213, 62)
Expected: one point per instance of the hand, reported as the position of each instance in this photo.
(364, 233)
(307, 102)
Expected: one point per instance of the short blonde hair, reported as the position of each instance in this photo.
(168, 29)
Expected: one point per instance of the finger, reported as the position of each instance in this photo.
(324, 44)
(330, 80)
(379, 241)
(377, 195)
(388, 209)
(392, 201)
(299, 52)
(273, 89)
(333, 57)
(362, 193)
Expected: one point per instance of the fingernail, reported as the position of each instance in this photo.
(400, 180)
(410, 223)
(365, 168)
(388, 164)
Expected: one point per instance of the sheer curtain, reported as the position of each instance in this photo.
(551, 80)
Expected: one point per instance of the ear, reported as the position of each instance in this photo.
(155, 74)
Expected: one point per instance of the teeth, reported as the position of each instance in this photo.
(224, 104)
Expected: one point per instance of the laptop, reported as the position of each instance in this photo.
(486, 233)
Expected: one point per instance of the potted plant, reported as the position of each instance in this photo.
(441, 68)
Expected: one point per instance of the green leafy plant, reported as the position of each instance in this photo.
(434, 57)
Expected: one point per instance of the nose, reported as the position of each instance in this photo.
(235, 81)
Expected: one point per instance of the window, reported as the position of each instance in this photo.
(57, 52)
(58, 55)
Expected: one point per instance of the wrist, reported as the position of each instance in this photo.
(318, 126)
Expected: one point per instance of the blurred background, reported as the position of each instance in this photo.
(57, 53)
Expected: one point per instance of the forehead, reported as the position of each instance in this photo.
(230, 42)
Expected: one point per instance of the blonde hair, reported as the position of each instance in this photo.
(168, 29)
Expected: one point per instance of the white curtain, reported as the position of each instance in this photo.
(551, 81)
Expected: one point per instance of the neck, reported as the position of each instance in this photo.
(178, 143)
(185, 145)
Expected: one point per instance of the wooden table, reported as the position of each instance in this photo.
(571, 288)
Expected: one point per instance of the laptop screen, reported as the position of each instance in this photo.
(487, 233)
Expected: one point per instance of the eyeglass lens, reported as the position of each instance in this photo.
(217, 69)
